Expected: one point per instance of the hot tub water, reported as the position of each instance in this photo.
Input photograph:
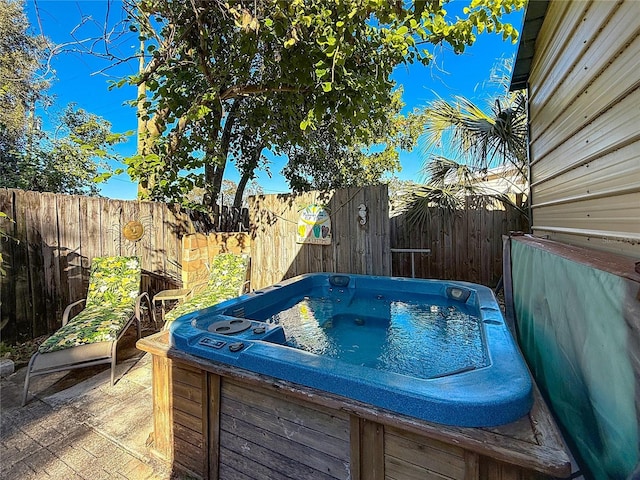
(379, 333)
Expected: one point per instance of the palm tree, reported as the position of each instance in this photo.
(483, 139)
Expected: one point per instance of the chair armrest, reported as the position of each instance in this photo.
(67, 311)
(245, 287)
(139, 300)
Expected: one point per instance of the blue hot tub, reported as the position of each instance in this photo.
(435, 350)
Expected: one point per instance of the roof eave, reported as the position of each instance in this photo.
(533, 19)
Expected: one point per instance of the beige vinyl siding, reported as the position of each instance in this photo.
(585, 125)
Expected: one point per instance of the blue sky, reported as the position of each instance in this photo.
(81, 79)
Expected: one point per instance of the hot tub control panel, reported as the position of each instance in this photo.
(225, 335)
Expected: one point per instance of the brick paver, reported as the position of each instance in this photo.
(92, 433)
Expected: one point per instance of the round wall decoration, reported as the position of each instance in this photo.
(133, 230)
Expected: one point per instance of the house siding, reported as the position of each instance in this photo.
(584, 106)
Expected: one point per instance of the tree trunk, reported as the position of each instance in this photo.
(145, 184)
(214, 171)
(247, 174)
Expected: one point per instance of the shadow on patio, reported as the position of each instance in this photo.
(76, 426)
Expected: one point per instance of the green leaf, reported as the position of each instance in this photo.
(327, 87)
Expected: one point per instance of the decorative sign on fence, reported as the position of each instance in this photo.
(314, 226)
(133, 230)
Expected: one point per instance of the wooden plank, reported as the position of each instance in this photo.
(71, 269)
(333, 423)
(372, 448)
(362, 262)
(432, 455)
(280, 256)
(290, 448)
(206, 422)
(474, 245)
(381, 236)
(486, 230)
(214, 387)
(92, 229)
(188, 375)
(35, 265)
(550, 458)
(342, 231)
(300, 252)
(254, 208)
(172, 235)
(187, 420)
(20, 267)
(284, 458)
(189, 436)
(326, 252)
(461, 240)
(293, 429)
(48, 215)
(131, 213)
(312, 257)
(229, 473)
(111, 225)
(148, 244)
(8, 282)
(376, 216)
(494, 470)
(355, 448)
(472, 465)
(398, 469)
(185, 404)
(158, 257)
(163, 427)
(187, 455)
(236, 462)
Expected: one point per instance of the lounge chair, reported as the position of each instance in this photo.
(228, 278)
(113, 303)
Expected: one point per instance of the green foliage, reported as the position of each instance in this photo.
(20, 85)
(68, 160)
(364, 157)
(480, 139)
(321, 67)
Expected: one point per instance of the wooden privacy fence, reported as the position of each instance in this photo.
(355, 247)
(464, 246)
(54, 238)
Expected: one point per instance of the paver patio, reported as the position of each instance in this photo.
(79, 427)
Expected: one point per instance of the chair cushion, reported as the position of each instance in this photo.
(114, 281)
(228, 274)
(114, 284)
(91, 325)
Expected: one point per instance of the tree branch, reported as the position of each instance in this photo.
(248, 90)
